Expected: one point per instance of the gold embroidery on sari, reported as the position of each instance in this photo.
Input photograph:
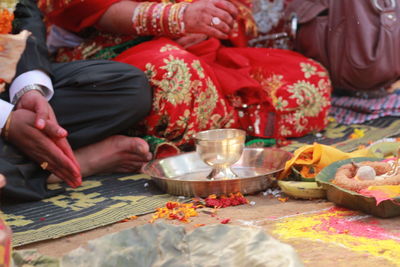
(197, 66)
(177, 87)
(308, 69)
(309, 97)
(281, 104)
(283, 130)
(223, 122)
(89, 50)
(150, 71)
(168, 47)
(184, 119)
(270, 84)
(206, 102)
(175, 84)
(273, 83)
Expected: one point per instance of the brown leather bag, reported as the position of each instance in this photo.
(358, 41)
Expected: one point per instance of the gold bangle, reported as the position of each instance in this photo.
(148, 19)
(182, 10)
(7, 127)
(161, 20)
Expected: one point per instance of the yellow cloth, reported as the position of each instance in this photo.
(319, 156)
(390, 191)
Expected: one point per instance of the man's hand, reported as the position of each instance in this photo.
(34, 101)
(40, 146)
(37, 103)
(199, 16)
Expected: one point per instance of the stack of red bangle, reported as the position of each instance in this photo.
(159, 19)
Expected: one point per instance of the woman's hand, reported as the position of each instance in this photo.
(215, 18)
(38, 146)
(191, 39)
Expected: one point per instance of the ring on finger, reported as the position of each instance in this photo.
(215, 21)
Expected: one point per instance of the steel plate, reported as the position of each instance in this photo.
(185, 174)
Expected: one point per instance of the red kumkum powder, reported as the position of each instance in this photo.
(225, 201)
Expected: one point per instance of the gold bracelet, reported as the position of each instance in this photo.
(7, 127)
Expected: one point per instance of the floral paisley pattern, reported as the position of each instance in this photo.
(168, 47)
(308, 69)
(309, 96)
(175, 88)
(185, 98)
(268, 92)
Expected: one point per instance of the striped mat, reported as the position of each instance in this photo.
(350, 110)
(104, 200)
(100, 201)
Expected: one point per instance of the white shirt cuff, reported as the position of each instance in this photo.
(32, 77)
(5, 109)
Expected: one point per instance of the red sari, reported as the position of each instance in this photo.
(268, 92)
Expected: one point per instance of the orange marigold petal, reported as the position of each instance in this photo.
(6, 18)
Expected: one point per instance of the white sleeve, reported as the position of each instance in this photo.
(32, 77)
(5, 110)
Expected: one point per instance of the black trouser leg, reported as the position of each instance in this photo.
(96, 99)
(26, 181)
(92, 100)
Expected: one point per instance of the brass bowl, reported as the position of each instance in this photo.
(220, 149)
(185, 174)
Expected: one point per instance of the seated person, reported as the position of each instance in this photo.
(73, 130)
(199, 82)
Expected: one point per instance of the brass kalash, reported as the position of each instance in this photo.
(220, 165)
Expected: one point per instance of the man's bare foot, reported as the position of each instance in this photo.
(114, 154)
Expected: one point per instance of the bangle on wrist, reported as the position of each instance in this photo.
(150, 18)
(26, 89)
(7, 127)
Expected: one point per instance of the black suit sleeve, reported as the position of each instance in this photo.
(27, 16)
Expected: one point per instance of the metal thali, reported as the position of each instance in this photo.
(185, 174)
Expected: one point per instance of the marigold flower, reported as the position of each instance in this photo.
(130, 218)
(176, 211)
(6, 18)
(283, 199)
